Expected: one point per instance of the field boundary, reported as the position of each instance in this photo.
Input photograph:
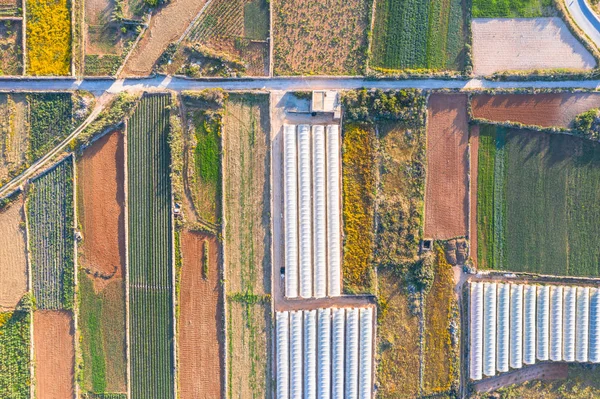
(77, 332)
(126, 276)
(29, 292)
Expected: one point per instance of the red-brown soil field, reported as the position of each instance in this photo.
(100, 182)
(446, 202)
(552, 109)
(13, 260)
(200, 320)
(474, 157)
(54, 354)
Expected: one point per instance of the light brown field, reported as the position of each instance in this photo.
(545, 372)
(446, 201)
(552, 109)
(526, 44)
(166, 26)
(100, 182)
(13, 132)
(54, 354)
(317, 37)
(474, 158)
(102, 35)
(201, 319)
(13, 257)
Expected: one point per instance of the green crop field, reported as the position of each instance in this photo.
(15, 378)
(51, 120)
(150, 250)
(538, 202)
(513, 8)
(418, 34)
(51, 238)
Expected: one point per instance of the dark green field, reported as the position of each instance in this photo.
(512, 8)
(418, 34)
(538, 202)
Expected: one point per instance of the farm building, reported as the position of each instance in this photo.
(325, 353)
(311, 161)
(514, 324)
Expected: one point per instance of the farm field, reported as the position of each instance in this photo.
(100, 186)
(546, 109)
(9, 8)
(13, 257)
(15, 348)
(446, 205)
(48, 37)
(320, 38)
(201, 337)
(526, 44)
(50, 121)
(54, 354)
(14, 134)
(11, 61)
(168, 23)
(232, 35)
(513, 9)
(246, 168)
(51, 237)
(151, 271)
(538, 194)
(400, 41)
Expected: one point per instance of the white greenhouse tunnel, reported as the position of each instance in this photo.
(312, 236)
(512, 325)
(325, 353)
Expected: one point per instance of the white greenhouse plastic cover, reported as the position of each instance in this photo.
(503, 327)
(476, 361)
(543, 321)
(324, 354)
(290, 182)
(283, 350)
(333, 208)
(366, 354)
(338, 354)
(583, 310)
(556, 318)
(595, 325)
(489, 329)
(352, 320)
(305, 211)
(529, 323)
(319, 212)
(569, 310)
(296, 355)
(516, 326)
(310, 354)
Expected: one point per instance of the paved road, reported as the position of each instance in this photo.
(585, 18)
(290, 83)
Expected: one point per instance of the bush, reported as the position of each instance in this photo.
(587, 124)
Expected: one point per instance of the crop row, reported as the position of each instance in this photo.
(51, 240)
(150, 250)
(222, 18)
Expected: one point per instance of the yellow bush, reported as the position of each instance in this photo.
(48, 37)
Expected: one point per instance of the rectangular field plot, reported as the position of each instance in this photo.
(13, 130)
(15, 347)
(418, 34)
(150, 250)
(537, 206)
(13, 256)
(11, 58)
(51, 237)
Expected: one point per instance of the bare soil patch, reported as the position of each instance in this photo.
(201, 319)
(13, 257)
(552, 109)
(474, 165)
(54, 351)
(13, 131)
(166, 26)
(544, 371)
(526, 44)
(446, 201)
(100, 182)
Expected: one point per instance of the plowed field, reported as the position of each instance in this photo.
(446, 201)
(200, 328)
(556, 109)
(53, 338)
(13, 261)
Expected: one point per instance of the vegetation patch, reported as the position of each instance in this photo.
(48, 37)
(513, 8)
(11, 59)
(51, 237)
(538, 194)
(50, 119)
(419, 34)
(15, 347)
